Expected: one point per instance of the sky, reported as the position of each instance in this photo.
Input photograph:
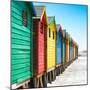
(73, 18)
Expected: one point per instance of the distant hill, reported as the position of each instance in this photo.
(83, 53)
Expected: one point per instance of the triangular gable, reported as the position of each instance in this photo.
(41, 12)
(50, 19)
(71, 42)
(67, 35)
(58, 27)
(64, 33)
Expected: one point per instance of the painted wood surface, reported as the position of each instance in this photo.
(21, 42)
(51, 45)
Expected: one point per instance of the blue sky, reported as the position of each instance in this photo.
(73, 18)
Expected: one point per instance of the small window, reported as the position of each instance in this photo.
(41, 27)
(53, 34)
(24, 18)
(49, 32)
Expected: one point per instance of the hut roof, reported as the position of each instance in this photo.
(50, 18)
(58, 27)
(39, 10)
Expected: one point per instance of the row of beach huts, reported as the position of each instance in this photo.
(40, 48)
